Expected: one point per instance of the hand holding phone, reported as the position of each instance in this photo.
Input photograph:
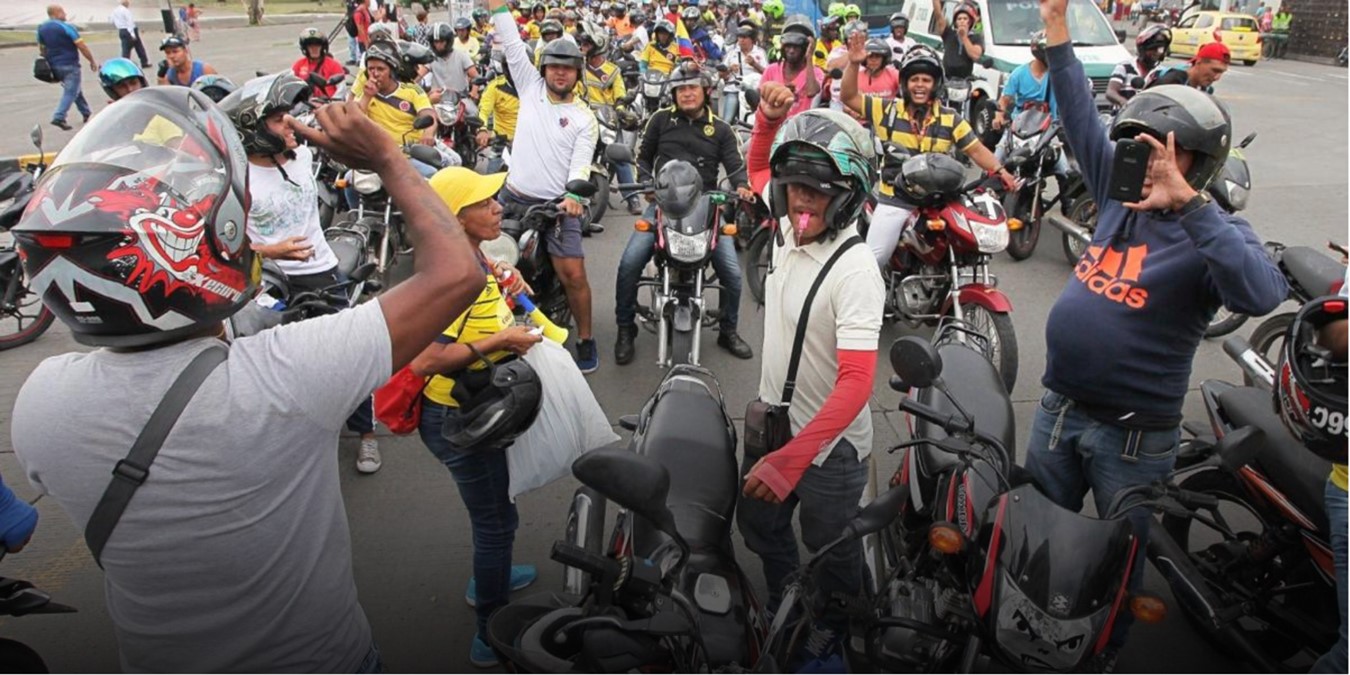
(1128, 170)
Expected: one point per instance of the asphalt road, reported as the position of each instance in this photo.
(411, 534)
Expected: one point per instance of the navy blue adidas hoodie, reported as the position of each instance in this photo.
(1121, 337)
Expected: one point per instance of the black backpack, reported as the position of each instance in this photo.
(351, 23)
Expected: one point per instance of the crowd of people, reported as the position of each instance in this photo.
(245, 488)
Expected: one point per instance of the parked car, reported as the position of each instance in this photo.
(1239, 31)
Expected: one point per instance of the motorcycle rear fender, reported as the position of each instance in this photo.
(987, 297)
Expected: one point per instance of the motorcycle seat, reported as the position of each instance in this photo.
(1312, 271)
(1292, 468)
(973, 381)
(349, 249)
(700, 455)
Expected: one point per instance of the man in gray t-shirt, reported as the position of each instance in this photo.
(234, 554)
(452, 70)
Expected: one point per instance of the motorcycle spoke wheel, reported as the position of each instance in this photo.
(1084, 213)
(757, 263)
(1000, 344)
(1220, 560)
(1022, 241)
(1268, 340)
(25, 320)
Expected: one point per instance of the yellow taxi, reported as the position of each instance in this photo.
(1239, 32)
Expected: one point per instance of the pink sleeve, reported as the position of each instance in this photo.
(782, 470)
(761, 143)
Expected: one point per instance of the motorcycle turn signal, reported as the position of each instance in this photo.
(945, 538)
(1148, 608)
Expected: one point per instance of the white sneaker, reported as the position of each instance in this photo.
(368, 457)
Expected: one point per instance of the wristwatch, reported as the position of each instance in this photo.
(1194, 204)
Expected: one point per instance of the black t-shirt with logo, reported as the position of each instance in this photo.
(955, 61)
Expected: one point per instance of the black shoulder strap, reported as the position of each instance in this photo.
(130, 473)
(790, 385)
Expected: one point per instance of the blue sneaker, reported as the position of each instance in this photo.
(521, 576)
(481, 654)
(588, 357)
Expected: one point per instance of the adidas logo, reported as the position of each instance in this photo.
(1114, 274)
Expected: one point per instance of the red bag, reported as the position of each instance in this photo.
(398, 402)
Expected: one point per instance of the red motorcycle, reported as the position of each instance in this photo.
(939, 273)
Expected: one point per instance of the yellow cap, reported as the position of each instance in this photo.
(459, 187)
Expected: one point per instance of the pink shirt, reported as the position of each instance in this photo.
(885, 85)
(774, 73)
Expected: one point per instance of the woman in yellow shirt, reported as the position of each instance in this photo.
(482, 475)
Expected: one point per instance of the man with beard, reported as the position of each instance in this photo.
(558, 132)
(796, 71)
(916, 122)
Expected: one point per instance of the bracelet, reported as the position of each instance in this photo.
(574, 198)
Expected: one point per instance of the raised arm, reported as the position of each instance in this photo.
(518, 59)
(446, 277)
(848, 86)
(941, 18)
(1069, 82)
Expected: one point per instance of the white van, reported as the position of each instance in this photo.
(1007, 27)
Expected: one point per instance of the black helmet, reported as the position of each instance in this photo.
(463, 23)
(678, 186)
(1153, 36)
(441, 32)
(1200, 124)
(134, 242)
(171, 42)
(637, 18)
(899, 20)
(312, 36)
(385, 52)
(798, 23)
(688, 73)
(561, 53)
(499, 411)
(920, 59)
(877, 47)
(550, 26)
(1038, 46)
(480, 14)
(930, 178)
(411, 56)
(1310, 382)
(830, 152)
(257, 99)
(216, 87)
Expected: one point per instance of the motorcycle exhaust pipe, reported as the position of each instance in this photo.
(1070, 228)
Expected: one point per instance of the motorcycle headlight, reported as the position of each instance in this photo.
(366, 182)
(503, 248)
(990, 238)
(651, 90)
(447, 115)
(687, 248)
(957, 94)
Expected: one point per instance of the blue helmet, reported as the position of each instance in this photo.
(117, 70)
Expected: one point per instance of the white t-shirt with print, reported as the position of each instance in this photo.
(283, 209)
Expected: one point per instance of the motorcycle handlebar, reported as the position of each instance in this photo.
(593, 564)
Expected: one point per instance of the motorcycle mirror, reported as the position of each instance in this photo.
(752, 99)
(423, 122)
(618, 153)
(1248, 140)
(1136, 82)
(635, 482)
(261, 73)
(581, 188)
(879, 512)
(363, 272)
(916, 361)
(836, 73)
(1120, 35)
(316, 80)
(36, 136)
(337, 79)
(1239, 447)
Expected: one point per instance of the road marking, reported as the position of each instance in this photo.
(1301, 77)
(1339, 76)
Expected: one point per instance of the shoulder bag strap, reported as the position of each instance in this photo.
(790, 385)
(130, 473)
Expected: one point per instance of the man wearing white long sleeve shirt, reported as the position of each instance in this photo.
(556, 135)
(130, 35)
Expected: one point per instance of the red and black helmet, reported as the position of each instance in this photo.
(136, 235)
(1310, 381)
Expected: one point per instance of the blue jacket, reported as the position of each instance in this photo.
(702, 39)
(1122, 335)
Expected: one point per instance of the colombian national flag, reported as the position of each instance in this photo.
(682, 39)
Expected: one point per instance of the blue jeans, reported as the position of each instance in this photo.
(828, 495)
(353, 49)
(639, 251)
(483, 481)
(70, 93)
(625, 173)
(727, 109)
(352, 197)
(1334, 661)
(1070, 452)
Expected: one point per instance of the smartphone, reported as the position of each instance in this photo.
(1128, 170)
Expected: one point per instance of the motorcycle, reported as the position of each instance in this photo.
(457, 130)
(21, 598)
(939, 272)
(524, 244)
(277, 302)
(1309, 273)
(654, 93)
(668, 595)
(1034, 146)
(687, 237)
(1264, 549)
(974, 105)
(618, 128)
(23, 315)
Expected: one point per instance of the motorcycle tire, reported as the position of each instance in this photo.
(29, 319)
(1021, 242)
(1315, 598)
(1224, 322)
(757, 263)
(1001, 351)
(1082, 211)
(1267, 340)
(984, 125)
(600, 202)
(584, 530)
(682, 347)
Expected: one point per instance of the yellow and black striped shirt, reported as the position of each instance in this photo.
(940, 132)
(488, 315)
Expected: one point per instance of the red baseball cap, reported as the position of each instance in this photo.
(1217, 51)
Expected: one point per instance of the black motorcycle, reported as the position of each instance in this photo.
(1034, 146)
(524, 231)
(1309, 274)
(687, 227)
(667, 595)
(23, 316)
(21, 598)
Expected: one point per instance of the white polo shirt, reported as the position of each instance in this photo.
(846, 314)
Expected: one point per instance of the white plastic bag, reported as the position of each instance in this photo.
(569, 424)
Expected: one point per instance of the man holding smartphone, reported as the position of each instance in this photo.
(1121, 337)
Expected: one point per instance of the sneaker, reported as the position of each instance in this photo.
(592, 228)
(368, 457)
(521, 576)
(86, 117)
(623, 345)
(588, 357)
(634, 206)
(730, 341)
(481, 654)
(61, 124)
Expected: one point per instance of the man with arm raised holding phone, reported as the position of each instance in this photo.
(1122, 335)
